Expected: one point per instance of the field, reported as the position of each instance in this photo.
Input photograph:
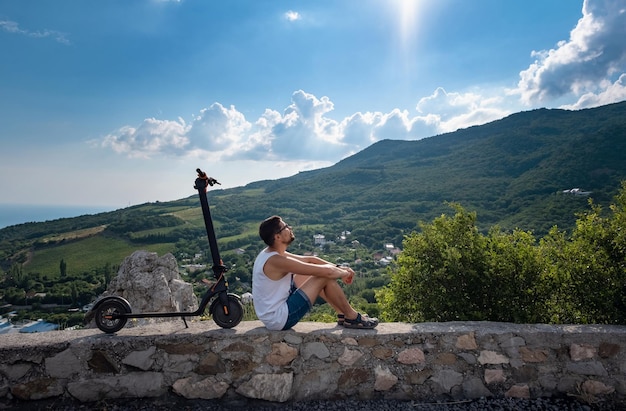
(83, 256)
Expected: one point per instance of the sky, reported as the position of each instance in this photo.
(112, 103)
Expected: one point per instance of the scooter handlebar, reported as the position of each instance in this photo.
(209, 180)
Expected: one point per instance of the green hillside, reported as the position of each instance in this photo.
(512, 172)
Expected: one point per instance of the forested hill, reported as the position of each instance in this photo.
(511, 172)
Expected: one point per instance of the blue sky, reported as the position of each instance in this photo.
(115, 103)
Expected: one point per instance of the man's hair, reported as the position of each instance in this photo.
(268, 228)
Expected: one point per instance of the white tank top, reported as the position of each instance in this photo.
(270, 296)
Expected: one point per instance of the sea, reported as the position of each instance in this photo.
(12, 214)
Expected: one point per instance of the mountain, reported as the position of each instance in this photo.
(512, 172)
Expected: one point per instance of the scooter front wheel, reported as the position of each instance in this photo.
(105, 316)
(227, 317)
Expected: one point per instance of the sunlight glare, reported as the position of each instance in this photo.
(409, 13)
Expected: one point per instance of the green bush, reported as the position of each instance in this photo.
(450, 271)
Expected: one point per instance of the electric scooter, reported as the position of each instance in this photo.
(112, 312)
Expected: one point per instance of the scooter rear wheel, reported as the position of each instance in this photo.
(105, 311)
(234, 315)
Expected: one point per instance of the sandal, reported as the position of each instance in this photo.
(361, 321)
(340, 319)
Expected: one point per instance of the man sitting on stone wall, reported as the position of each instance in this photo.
(285, 285)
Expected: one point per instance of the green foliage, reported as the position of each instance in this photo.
(589, 271)
(450, 271)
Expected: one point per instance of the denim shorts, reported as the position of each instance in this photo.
(298, 304)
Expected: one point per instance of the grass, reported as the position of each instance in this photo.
(83, 256)
(75, 235)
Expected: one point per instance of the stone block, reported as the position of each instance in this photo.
(466, 342)
(474, 388)
(282, 354)
(447, 379)
(350, 357)
(195, 387)
(533, 356)
(38, 389)
(492, 357)
(140, 359)
(64, 364)
(608, 350)
(315, 349)
(593, 387)
(268, 387)
(210, 364)
(353, 377)
(587, 368)
(579, 352)
(411, 356)
(385, 379)
(494, 376)
(518, 391)
(134, 385)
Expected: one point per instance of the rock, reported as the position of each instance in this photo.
(64, 364)
(494, 376)
(473, 387)
(315, 349)
(207, 388)
(349, 357)
(533, 355)
(518, 391)
(152, 284)
(412, 356)
(448, 379)
(593, 387)
(385, 379)
(492, 357)
(579, 352)
(268, 387)
(140, 359)
(143, 384)
(466, 342)
(282, 354)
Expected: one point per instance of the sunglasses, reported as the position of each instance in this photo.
(283, 227)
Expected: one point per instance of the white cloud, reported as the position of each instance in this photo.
(451, 111)
(292, 15)
(14, 28)
(303, 132)
(610, 93)
(218, 128)
(587, 65)
(152, 137)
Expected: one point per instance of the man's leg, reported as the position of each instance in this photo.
(300, 279)
(328, 289)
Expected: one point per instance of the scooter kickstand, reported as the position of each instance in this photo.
(185, 321)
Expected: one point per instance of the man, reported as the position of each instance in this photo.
(285, 285)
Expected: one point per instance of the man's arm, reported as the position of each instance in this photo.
(307, 258)
(277, 266)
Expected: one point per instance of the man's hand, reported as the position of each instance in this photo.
(350, 277)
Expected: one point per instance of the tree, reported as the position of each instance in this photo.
(108, 274)
(589, 271)
(63, 268)
(440, 275)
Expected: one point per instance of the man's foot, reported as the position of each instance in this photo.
(340, 319)
(361, 321)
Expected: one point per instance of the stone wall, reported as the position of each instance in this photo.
(430, 361)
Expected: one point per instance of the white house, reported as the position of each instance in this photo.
(319, 239)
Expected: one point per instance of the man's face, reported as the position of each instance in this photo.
(286, 233)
